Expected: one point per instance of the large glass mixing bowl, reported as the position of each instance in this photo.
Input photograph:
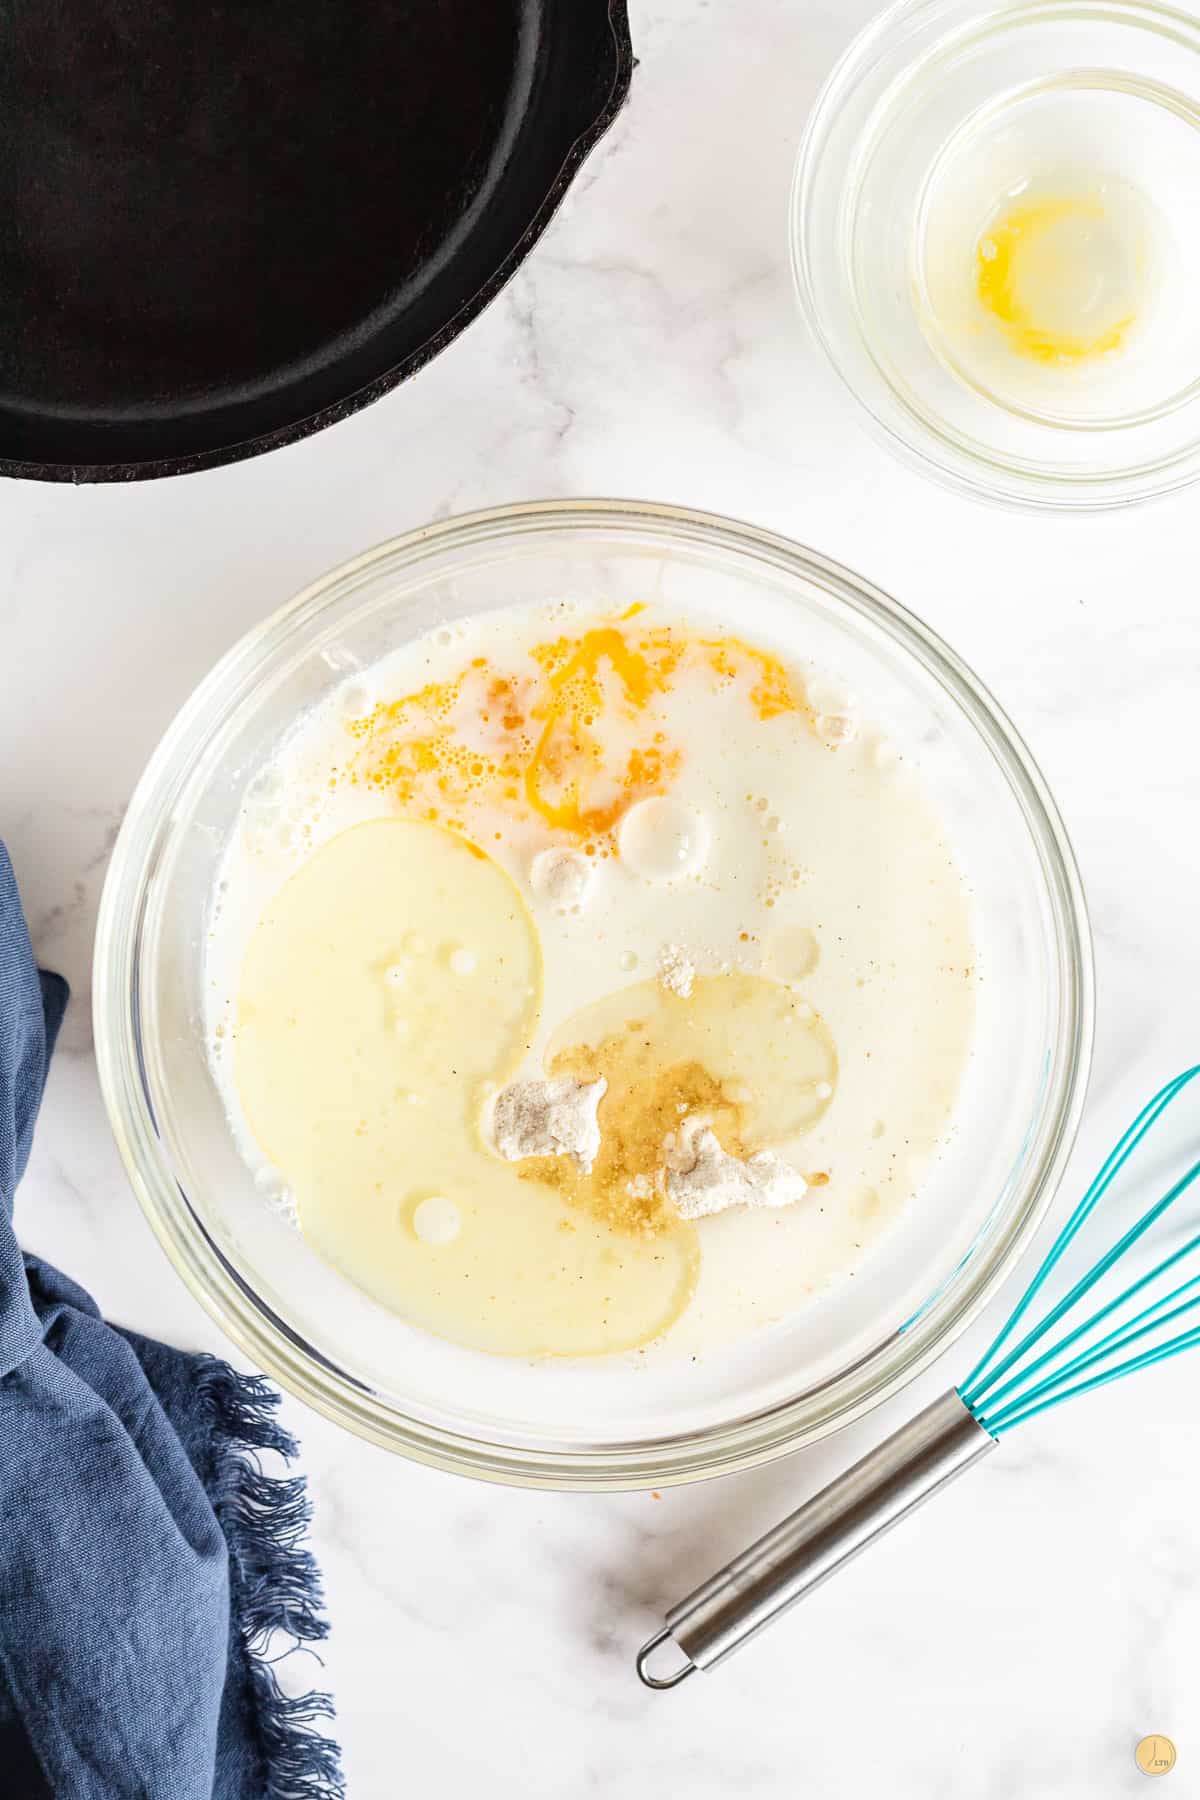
(623, 1422)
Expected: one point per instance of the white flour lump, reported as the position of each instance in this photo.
(549, 1118)
(676, 970)
(701, 1178)
(563, 877)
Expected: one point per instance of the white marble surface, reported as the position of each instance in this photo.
(1018, 1637)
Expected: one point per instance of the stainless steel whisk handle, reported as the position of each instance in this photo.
(811, 1544)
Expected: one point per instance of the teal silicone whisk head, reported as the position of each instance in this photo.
(1106, 1325)
(1138, 1326)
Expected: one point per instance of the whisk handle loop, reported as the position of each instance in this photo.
(813, 1543)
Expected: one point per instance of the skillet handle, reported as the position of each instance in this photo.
(810, 1545)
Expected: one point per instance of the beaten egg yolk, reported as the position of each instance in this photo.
(573, 738)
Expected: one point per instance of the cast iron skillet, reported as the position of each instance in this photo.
(227, 223)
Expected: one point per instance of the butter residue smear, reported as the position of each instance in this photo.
(1059, 275)
(577, 978)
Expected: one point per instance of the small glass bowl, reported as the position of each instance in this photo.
(609, 1422)
(938, 112)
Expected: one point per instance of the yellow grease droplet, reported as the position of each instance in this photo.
(792, 952)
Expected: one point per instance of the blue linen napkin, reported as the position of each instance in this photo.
(146, 1562)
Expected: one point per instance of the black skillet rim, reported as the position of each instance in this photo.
(158, 467)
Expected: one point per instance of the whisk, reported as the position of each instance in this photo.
(1029, 1368)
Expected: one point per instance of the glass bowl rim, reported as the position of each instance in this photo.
(228, 1297)
(944, 456)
